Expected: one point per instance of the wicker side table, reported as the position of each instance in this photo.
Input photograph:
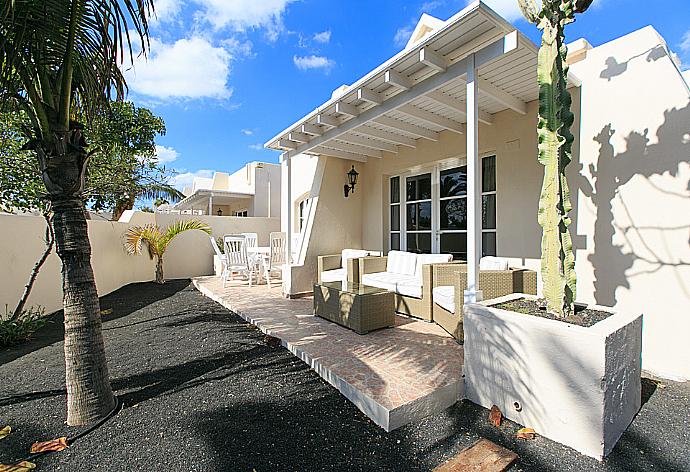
(358, 307)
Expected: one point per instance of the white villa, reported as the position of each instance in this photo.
(253, 191)
(443, 136)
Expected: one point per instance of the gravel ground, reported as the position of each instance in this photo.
(583, 316)
(202, 392)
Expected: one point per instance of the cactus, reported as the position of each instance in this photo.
(555, 149)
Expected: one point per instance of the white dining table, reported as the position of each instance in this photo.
(259, 254)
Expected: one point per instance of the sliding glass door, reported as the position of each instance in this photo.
(428, 211)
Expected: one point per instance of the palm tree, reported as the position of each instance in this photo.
(158, 240)
(60, 60)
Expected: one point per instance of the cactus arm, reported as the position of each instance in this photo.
(529, 10)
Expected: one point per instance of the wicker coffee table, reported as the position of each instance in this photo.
(360, 308)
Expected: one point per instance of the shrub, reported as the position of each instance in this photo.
(20, 330)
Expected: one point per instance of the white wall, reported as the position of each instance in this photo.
(189, 255)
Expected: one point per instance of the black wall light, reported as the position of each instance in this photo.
(352, 181)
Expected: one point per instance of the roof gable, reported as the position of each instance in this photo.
(427, 24)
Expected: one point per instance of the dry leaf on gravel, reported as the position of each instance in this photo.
(107, 312)
(4, 432)
(49, 446)
(525, 433)
(271, 341)
(22, 466)
(495, 416)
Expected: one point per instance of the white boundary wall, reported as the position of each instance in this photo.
(189, 255)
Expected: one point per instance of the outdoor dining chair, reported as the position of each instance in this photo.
(237, 259)
(223, 259)
(277, 257)
(252, 239)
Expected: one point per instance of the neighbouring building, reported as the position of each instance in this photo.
(462, 98)
(253, 191)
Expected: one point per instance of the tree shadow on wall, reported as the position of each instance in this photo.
(615, 264)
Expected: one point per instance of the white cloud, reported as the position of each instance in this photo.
(685, 43)
(247, 132)
(257, 147)
(313, 62)
(402, 36)
(186, 179)
(508, 9)
(241, 15)
(167, 10)
(166, 154)
(324, 37)
(188, 68)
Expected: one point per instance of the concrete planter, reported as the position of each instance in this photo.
(575, 385)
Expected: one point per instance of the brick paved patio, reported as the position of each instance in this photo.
(394, 375)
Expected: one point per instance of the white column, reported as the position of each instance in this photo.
(474, 194)
(210, 205)
(286, 219)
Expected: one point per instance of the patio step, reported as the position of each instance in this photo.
(394, 376)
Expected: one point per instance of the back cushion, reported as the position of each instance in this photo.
(352, 254)
(430, 259)
(400, 262)
(493, 263)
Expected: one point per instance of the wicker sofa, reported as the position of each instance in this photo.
(450, 282)
(341, 267)
(407, 275)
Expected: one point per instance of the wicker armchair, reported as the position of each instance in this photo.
(334, 262)
(493, 284)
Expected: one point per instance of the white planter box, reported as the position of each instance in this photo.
(575, 385)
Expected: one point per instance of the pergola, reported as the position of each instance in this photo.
(207, 198)
(474, 66)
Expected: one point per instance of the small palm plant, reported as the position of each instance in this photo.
(157, 240)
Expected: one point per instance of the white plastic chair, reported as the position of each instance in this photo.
(277, 257)
(221, 256)
(236, 252)
(252, 239)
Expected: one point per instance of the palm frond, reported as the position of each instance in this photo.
(136, 236)
(181, 226)
(153, 191)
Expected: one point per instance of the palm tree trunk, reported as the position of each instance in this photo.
(159, 270)
(89, 395)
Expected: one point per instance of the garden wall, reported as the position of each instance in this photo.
(189, 255)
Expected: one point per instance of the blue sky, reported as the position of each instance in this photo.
(227, 75)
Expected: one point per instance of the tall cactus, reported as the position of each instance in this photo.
(555, 149)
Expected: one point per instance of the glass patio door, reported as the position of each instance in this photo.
(419, 226)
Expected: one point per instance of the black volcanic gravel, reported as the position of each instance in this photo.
(583, 316)
(201, 391)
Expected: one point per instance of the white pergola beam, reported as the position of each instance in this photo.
(397, 79)
(483, 55)
(501, 96)
(407, 128)
(327, 120)
(354, 149)
(346, 109)
(299, 137)
(431, 118)
(433, 59)
(387, 136)
(314, 130)
(458, 106)
(285, 143)
(370, 96)
(370, 143)
(339, 154)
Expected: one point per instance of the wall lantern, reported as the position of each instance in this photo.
(220, 212)
(352, 181)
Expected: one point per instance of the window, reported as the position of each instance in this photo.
(395, 214)
(303, 212)
(418, 213)
(243, 213)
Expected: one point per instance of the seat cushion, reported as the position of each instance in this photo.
(352, 254)
(444, 296)
(493, 263)
(430, 259)
(400, 262)
(402, 284)
(335, 275)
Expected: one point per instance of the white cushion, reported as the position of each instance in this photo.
(335, 275)
(400, 262)
(444, 296)
(352, 254)
(399, 283)
(493, 263)
(430, 259)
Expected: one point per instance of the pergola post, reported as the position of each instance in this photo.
(286, 218)
(210, 204)
(474, 203)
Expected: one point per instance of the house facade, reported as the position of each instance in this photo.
(443, 136)
(253, 191)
